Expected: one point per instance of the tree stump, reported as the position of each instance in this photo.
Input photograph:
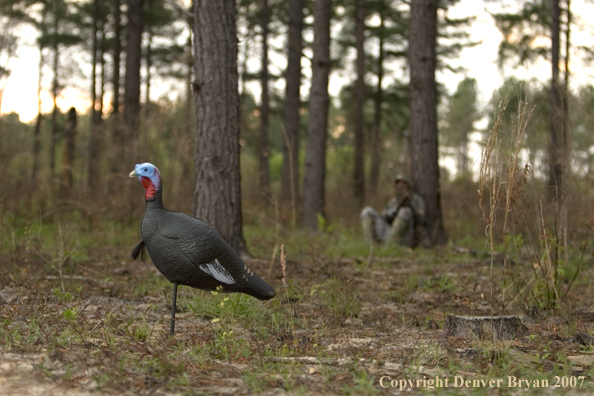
(485, 327)
(584, 339)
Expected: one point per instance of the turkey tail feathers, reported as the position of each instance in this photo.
(139, 250)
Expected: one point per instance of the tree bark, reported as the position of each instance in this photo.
(102, 64)
(424, 169)
(148, 59)
(117, 130)
(558, 148)
(376, 150)
(317, 125)
(37, 131)
(93, 170)
(358, 169)
(55, 91)
(558, 157)
(143, 144)
(566, 74)
(263, 146)
(186, 148)
(291, 117)
(117, 55)
(217, 185)
(569, 19)
(68, 154)
(132, 80)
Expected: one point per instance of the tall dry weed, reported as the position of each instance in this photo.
(531, 244)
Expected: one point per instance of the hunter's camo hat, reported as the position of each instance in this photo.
(403, 178)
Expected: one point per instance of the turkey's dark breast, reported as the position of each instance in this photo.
(179, 244)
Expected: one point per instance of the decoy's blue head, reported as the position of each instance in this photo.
(150, 177)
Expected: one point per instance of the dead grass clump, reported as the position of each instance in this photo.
(537, 270)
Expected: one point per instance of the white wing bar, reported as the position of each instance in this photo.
(217, 271)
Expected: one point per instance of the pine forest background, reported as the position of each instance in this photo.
(74, 163)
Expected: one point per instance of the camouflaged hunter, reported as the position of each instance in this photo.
(402, 221)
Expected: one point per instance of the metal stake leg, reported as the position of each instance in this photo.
(174, 298)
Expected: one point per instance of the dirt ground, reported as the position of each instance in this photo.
(340, 326)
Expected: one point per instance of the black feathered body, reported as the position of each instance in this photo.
(187, 251)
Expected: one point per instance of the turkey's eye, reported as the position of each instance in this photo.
(145, 169)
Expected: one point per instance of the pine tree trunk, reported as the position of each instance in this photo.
(93, 170)
(37, 131)
(424, 169)
(217, 186)
(376, 150)
(317, 125)
(246, 41)
(143, 144)
(148, 59)
(558, 148)
(117, 55)
(244, 68)
(117, 129)
(132, 80)
(291, 117)
(55, 89)
(36, 148)
(566, 73)
(562, 223)
(187, 140)
(102, 64)
(569, 19)
(100, 133)
(358, 170)
(263, 146)
(68, 154)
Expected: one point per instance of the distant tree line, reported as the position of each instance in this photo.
(385, 121)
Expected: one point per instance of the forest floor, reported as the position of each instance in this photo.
(78, 316)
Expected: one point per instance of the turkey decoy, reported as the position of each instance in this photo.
(187, 250)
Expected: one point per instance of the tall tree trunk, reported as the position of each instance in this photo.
(376, 150)
(557, 151)
(244, 68)
(37, 132)
(217, 185)
(562, 224)
(68, 155)
(566, 93)
(317, 125)
(424, 169)
(93, 170)
(132, 80)
(291, 118)
(55, 92)
(100, 126)
(566, 74)
(143, 144)
(148, 57)
(263, 146)
(188, 135)
(358, 169)
(243, 76)
(117, 129)
(102, 64)
(117, 55)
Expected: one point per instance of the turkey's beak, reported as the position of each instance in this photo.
(133, 173)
